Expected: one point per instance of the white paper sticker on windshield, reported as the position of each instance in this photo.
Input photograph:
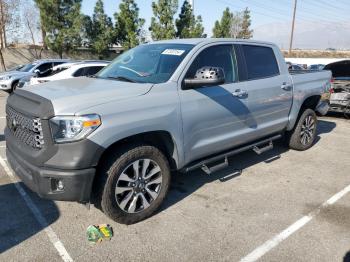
(177, 52)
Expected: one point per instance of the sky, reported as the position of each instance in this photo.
(320, 15)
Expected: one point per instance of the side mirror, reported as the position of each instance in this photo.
(37, 72)
(206, 76)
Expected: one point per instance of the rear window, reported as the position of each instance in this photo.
(260, 61)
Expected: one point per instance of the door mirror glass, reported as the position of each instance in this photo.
(206, 76)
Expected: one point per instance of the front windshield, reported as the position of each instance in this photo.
(26, 68)
(150, 63)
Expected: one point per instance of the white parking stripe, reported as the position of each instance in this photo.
(2, 117)
(273, 242)
(37, 214)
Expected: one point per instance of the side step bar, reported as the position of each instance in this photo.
(224, 157)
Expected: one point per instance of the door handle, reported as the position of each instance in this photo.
(286, 86)
(240, 93)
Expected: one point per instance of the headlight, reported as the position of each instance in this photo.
(5, 78)
(67, 129)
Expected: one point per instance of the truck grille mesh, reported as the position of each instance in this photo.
(27, 130)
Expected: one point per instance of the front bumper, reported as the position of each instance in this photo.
(6, 84)
(77, 184)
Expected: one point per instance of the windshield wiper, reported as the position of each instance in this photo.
(122, 78)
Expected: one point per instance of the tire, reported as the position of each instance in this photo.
(303, 135)
(14, 86)
(128, 198)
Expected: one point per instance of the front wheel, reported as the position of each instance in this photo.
(14, 86)
(303, 135)
(136, 185)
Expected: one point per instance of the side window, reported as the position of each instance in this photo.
(44, 67)
(92, 70)
(218, 56)
(260, 61)
(79, 72)
(58, 63)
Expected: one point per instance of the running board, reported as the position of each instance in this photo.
(207, 164)
(209, 170)
(261, 150)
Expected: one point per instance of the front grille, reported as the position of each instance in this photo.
(26, 129)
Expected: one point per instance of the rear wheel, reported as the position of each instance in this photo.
(304, 133)
(136, 184)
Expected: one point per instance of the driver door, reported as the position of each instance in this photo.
(214, 117)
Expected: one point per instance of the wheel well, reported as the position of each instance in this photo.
(14, 82)
(310, 102)
(160, 139)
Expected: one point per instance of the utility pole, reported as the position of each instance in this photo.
(293, 22)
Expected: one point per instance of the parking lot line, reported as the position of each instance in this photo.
(38, 216)
(276, 240)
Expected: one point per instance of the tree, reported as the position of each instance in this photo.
(222, 28)
(162, 24)
(30, 14)
(128, 24)
(100, 31)
(9, 20)
(236, 25)
(245, 32)
(62, 22)
(40, 4)
(188, 26)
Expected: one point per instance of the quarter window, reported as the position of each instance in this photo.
(260, 61)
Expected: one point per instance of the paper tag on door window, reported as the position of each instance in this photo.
(177, 52)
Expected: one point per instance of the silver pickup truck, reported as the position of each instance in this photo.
(177, 105)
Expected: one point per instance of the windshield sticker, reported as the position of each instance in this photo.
(177, 52)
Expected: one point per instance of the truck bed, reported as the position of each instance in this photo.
(306, 83)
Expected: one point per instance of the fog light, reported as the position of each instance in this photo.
(57, 184)
(60, 185)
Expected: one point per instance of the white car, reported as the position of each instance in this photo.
(70, 70)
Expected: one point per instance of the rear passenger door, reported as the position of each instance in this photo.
(269, 91)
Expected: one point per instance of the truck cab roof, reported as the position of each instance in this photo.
(197, 41)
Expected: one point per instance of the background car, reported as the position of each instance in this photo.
(9, 80)
(340, 92)
(73, 70)
(316, 67)
(295, 67)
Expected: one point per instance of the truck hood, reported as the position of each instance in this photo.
(70, 96)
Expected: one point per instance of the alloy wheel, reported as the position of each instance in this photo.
(307, 130)
(138, 185)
